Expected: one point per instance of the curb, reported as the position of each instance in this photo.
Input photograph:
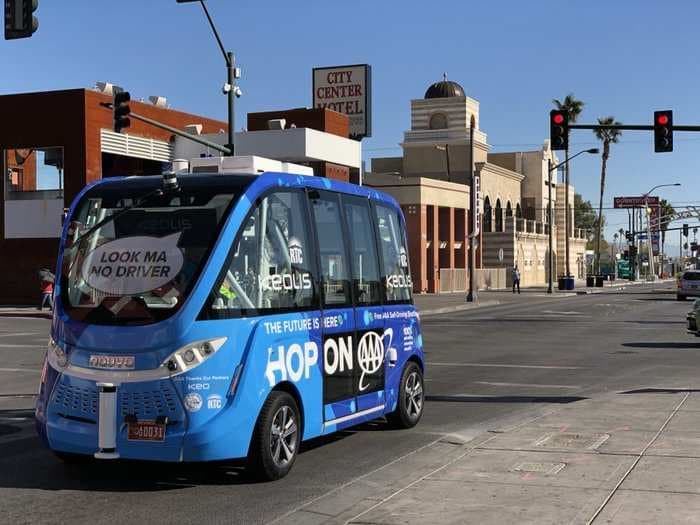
(457, 308)
(29, 313)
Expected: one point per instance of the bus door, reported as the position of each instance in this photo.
(373, 338)
(338, 316)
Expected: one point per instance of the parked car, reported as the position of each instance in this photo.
(693, 319)
(689, 285)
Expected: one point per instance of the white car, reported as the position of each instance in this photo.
(689, 285)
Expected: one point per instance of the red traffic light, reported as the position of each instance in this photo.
(662, 120)
(558, 118)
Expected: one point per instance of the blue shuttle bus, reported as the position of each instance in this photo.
(211, 317)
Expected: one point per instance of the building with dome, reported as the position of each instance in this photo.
(430, 181)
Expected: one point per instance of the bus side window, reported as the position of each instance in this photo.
(394, 254)
(272, 265)
(331, 244)
(363, 250)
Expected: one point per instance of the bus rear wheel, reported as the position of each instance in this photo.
(276, 438)
(409, 407)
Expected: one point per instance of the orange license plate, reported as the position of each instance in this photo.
(146, 431)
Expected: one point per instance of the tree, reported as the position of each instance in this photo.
(665, 210)
(584, 216)
(573, 108)
(607, 137)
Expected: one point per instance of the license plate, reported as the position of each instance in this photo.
(146, 431)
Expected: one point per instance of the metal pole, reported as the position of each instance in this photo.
(230, 63)
(567, 219)
(549, 220)
(472, 296)
(180, 133)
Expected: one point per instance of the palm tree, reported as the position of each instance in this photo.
(665, 210)
(573, 108)
(607, 137)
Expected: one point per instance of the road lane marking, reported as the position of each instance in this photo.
(28, 370)
(553, 312)
(19, 346)
(524, 385)
(498, 365)
(19, 334)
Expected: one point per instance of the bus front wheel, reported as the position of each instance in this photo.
(409, 407)
(276, 438)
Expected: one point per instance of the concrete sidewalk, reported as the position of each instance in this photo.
(627, 457)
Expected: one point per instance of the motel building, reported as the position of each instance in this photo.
(54, 143)
(430, 181)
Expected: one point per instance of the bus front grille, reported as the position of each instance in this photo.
(148, 404)
(75, 400)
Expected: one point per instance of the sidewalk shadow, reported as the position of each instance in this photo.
(669, 345)
(505, 399)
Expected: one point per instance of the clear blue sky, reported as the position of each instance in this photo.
(624, 58)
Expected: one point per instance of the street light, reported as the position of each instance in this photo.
(550, 169)
(652, 273)
(446, 149)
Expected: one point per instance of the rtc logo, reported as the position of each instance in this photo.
(214, 401)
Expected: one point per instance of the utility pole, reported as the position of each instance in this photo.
(231, 90)
(472, 296)
(550, 258)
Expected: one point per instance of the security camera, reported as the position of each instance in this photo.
(237, 91)
(226, 88)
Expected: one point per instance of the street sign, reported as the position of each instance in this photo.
(635, 202)
(346, 89)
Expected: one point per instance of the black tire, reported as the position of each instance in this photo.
(272, 457)
(409, 407)
(680, 298)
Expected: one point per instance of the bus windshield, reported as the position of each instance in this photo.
(131, 254)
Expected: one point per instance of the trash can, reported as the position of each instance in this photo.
(569, 283)
(590, 280)
(599, 280)
(562, 283)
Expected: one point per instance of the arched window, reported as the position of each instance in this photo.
(499, 216)
(518, 211)
(487, 214)
(438, 121)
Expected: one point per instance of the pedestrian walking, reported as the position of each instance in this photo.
(516, 278)
(46, 287)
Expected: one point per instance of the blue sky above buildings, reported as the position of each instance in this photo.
(624, 58)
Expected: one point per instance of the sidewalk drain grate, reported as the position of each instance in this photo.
(572, 440)
(548, 469)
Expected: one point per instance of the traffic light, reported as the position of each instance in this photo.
(558, 129)
(633, 251)
(628, 236)
(663, 131)
(20, 21)
(685, 230)
(121, 110)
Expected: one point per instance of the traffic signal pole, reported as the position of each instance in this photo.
(230, 87)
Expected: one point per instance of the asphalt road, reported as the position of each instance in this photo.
(485, 366)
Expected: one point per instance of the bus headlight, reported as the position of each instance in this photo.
(192, 355)
(56, 355)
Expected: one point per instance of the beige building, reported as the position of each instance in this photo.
(430, 182)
